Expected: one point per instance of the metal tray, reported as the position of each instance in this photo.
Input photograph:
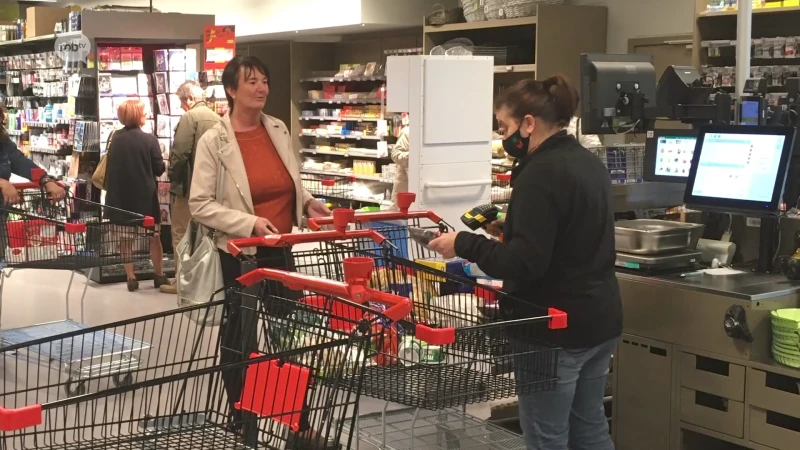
(653, 237)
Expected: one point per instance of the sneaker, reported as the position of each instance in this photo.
(160, 280)
(171, 288)
(133, 285)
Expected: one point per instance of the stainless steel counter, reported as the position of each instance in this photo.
(746, 286)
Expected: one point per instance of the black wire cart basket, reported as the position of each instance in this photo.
(71, 234)
(296, 385)
(458, 346)
(334, 186)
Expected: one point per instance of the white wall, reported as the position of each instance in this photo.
(639, 18)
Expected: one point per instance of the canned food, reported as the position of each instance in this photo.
(413, 351)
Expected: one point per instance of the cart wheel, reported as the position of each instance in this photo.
(120, 380)
(74, 387)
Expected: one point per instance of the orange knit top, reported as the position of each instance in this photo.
(271, 186)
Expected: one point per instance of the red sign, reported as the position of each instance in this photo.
(219, 44)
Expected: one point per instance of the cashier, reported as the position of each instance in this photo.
(12, 161)
(558, 251)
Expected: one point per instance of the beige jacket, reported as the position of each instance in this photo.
(232, 215)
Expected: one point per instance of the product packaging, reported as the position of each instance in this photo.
(138, 60)
(177, 59)
(161, 58)
(114, 58)
(176, 79)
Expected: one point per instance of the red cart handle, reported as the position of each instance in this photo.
(20, 418)
(36, 174)
(404, 201)
(341, 220)
(357, 272)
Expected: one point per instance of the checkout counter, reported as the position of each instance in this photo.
(694, 369)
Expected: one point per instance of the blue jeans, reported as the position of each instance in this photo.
(571, 416)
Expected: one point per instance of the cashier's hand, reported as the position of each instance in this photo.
(264, 227)
(495, 228)
(445, 245)
(10, 193)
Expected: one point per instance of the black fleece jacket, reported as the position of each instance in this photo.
(558, 248)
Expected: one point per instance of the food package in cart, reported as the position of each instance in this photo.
(419, 289)
(31, 240)
(454, 266)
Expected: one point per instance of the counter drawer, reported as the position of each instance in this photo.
(774, 429)
(712, 412)
(712, 376)
(774, 392)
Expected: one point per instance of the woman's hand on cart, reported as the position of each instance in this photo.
(445, 245)
(316, 209)
(55, 191)
(264, 227)
(10, 193)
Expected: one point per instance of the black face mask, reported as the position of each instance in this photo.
(516, 145)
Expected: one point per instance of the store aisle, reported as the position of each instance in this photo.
(35, 296)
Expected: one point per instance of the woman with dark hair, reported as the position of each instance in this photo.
(13, 161)
(134, 163)
(557, 251)
(262, 195)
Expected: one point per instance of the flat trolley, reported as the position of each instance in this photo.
(71, 234)
(462, 344)
(297, 388)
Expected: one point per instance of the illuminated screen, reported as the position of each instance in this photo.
(674, 155)
(738, 166)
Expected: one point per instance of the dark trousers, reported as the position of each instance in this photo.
(239, 336)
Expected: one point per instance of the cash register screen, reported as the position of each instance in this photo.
(674, 155)
(742, 168)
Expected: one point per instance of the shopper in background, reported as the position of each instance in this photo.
(558, 251)
(134, 163)
(198, 119)
(399, 154)
(262, 193)
(13, 161)
(586, 140)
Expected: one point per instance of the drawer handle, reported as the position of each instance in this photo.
(783, 421)
(712, 365)
(711, 401)
(783, 383)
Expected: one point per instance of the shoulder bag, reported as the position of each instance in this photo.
(99, 176)
(198, 271)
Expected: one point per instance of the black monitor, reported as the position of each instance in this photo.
(668, 155)
(605, 80)
(681, 85)
(740, 169)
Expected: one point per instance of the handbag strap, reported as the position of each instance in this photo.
(219, 193)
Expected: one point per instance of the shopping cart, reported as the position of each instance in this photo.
(71, 234)
(328, 186)
(625, 162)
(297, 388)
(456, 348)
(394, 226)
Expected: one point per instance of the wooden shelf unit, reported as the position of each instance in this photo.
(550, 42)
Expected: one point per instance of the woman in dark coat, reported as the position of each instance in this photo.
(134, 163)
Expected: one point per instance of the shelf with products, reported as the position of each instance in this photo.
(723, 10)
(339, 119)
(547, 42)
(376, 178)
(348, 153)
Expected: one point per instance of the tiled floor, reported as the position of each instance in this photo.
(35, 296)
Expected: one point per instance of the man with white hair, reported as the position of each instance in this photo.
(198, 119)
